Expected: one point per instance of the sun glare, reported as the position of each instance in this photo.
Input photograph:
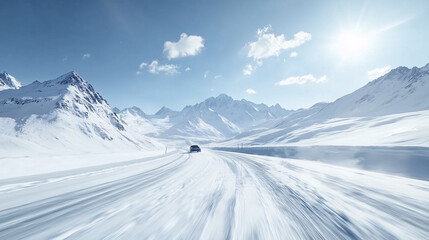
(352, 44)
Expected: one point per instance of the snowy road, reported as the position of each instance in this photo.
(215, 195)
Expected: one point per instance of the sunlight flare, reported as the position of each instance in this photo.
(352, 44)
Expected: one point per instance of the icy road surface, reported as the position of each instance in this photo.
(215, 195)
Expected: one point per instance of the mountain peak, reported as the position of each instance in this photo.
(224, 97)
(70, 78)
(402, 73)
(135, 111)
(7, 81)
(165, 111)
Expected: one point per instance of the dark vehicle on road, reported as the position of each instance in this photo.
(194, 148)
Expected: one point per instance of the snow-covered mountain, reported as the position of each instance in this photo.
(67, 113)
(64, 113)
(213, 119)
(7, 81)
(221, 117)
(393, 109)
(401, 90)
(242, 113)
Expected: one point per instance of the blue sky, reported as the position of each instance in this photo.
(295, 53)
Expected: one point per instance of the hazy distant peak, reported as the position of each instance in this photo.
(224, 97)
(165, 111)
(134, 110)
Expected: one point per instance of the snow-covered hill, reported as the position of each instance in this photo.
(64, 114)
(7, 81)
(391, 110)
(213, 119)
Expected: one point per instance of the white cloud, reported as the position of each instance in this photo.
(250, 91)
(187, 69)
(206, 74)
(168, 69)
(378, 72)
(86, 56)
(302, 80)
(186, 46)
(217, 76)
(249, 68)
(269, 45)
(142, 65)
(322, 79)
(155, 68)
(293, 54)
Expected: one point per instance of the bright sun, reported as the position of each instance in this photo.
(352, 44)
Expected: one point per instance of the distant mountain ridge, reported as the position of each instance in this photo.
(67, 113)
(214, 118)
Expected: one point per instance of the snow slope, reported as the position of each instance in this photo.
(391, 110)
(401, 90)
(403, 129)
(63, 115)
(7, 81)
(215, 195)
